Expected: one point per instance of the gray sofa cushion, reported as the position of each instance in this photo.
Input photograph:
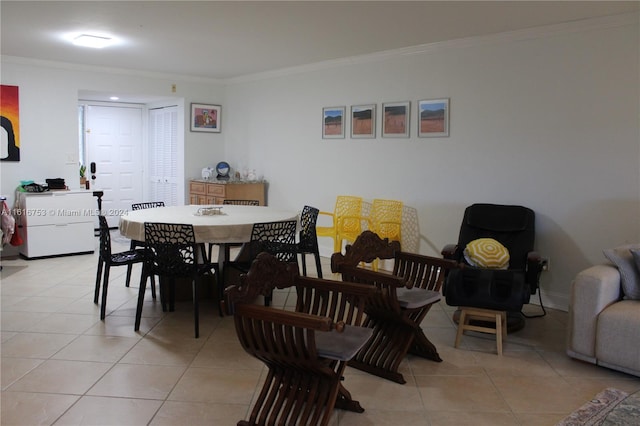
(618, 336)
(629, 272)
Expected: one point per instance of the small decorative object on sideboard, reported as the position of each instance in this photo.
(223, 169)
(83, 175)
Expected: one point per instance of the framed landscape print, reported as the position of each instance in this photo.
(433, 118)
(205, 118)
(333, 122)
(395, 119)
(363, 121)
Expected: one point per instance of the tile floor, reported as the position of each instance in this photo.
(61, 365)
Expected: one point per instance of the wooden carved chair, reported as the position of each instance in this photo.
(402, 302)
(307, 350)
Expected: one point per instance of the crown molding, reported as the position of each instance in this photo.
(612, 21)
(99, 69)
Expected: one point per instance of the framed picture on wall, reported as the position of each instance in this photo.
(333, 122)
(10, 120)
(395, 119)
(205, 118)
(433, 118)
(363, 121)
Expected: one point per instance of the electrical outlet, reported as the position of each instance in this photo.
(547, 264)
(71, 159)
(173, 88)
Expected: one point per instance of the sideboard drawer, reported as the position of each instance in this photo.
(216, 190)
(197, 188)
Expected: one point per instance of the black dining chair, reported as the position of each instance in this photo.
(308, 241)
(171, 253)
(227, 246)
(135, 244)
(275, 238)
(107, 259)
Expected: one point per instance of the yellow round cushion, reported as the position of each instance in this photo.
(487, 253)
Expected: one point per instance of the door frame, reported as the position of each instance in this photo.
(179, 103)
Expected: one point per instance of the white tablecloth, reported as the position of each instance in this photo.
(232, 226)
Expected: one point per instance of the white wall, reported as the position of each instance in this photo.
(546, 119)
(48, 94)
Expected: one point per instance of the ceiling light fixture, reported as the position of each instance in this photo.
(114, 98)
(88, 40)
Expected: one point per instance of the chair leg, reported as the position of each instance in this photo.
(304, 264)
(196, 312)
(98, 276)
(461, 324)
(129, 267)
(162, 287)
(499, 333)
(318, 265)
(128, 279)
(337, 244)
(203, 252)
(172, 294)
(105, 285)
(143, 286)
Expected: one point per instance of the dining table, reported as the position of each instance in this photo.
(212, 224)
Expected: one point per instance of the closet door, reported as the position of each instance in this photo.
(163, 156)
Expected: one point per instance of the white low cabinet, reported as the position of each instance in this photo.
(57, 223)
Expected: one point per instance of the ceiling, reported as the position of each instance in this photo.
(223, 40)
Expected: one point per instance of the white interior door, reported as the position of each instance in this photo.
(114, 144)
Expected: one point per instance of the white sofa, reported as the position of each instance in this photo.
(604, 328)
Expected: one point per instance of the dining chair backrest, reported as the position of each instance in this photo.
(105, 238)
(277, 238)
(172, 248)
(135, 243)
(308, 237)
(242, 202)
(386, 219)
(147, 205)
(348, 212)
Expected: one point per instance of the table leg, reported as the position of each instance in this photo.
(223, 257)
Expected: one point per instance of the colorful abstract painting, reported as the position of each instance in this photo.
(10, 116)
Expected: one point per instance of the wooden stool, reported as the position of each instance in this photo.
(498, 319)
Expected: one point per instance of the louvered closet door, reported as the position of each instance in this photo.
(163, 155)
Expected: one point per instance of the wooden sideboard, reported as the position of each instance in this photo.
(215, 192)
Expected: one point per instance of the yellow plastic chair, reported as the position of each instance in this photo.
(386, 221)
(347, 221)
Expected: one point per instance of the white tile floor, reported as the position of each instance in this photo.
(61, 365)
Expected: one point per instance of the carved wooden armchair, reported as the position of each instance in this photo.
(396, 311)
(306, 351)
